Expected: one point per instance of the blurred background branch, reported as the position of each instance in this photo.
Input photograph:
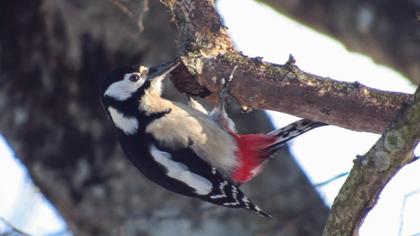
(12, 229)
(387, 31)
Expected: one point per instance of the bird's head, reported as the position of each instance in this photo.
(130, 83)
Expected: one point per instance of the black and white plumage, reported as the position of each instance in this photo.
(177, 146)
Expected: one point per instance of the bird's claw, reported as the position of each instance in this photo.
(224, 87)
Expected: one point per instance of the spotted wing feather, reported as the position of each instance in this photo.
(223, 192)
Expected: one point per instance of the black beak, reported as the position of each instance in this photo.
(162, 69)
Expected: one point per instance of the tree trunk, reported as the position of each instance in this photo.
(54, 55)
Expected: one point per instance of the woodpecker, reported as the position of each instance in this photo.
(182, 148)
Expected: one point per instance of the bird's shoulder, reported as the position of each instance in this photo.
(186, 126)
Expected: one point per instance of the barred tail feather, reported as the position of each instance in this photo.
(291, 131)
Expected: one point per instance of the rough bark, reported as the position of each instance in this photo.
(53, 56)
(387, 31)
(373, 171)
(288, 89)
(208, 53)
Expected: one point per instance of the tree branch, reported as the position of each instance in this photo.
(288, 89)
(13, 229)
(372, 172)
(404, 204)
(207, 53)
(328, 181)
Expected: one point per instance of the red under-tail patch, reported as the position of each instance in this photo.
(251, 155)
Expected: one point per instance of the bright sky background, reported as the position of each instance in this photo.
(21, 204)
(322, 153)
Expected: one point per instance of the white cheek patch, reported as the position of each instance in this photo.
(128, 125)
(179, 171)
(123, 89)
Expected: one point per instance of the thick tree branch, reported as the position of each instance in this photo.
(372, 172)
(208, 54)
(288, 89)
(199, 27)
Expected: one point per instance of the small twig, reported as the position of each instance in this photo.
(62, 232)
(323, 183)
(123, 8)
(131, 14)
(291, 60)
(13, 228)
(408, 195)
(143, 12)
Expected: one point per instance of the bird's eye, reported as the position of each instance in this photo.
(134, 77)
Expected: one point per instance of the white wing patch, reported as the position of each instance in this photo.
(128, 125)
(179, 171)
